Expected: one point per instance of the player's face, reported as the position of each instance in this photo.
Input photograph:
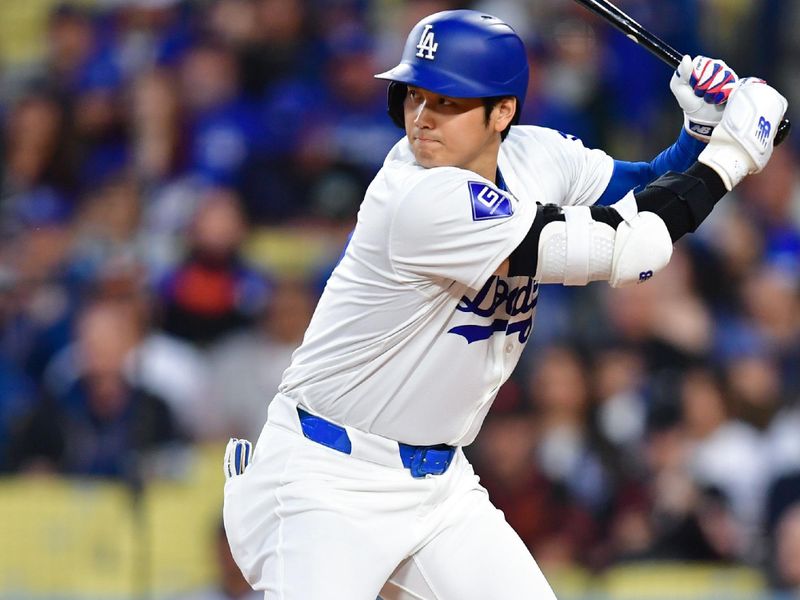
(452, 132)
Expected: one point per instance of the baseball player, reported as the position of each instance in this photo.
(358, 485)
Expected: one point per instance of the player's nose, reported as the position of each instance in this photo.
(423, 117)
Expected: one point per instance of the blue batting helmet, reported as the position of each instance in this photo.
(463, 54)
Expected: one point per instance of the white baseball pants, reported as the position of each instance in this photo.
(306, 522)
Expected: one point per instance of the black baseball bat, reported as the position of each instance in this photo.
(653, 44)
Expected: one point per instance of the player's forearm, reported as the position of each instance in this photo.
(683, 200)
(632, 239)
(636, 176)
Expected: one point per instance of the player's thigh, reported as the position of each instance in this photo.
(306, 538)
(323, 556)
(478, 556)
(318, 555)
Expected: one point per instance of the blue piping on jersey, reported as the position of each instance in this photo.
(636, 175)
(501, 183)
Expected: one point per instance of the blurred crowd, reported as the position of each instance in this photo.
(153, 143)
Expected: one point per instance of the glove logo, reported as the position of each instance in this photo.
(644, 276)
(701, 129)
(427, 45)
(764, 129)
(488, 203)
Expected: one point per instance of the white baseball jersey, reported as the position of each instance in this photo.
(414, 334)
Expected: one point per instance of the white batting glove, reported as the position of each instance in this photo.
(702, 87)
(238, 453)
(742, 143)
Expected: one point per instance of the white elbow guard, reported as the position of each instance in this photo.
(579, 249)
(642, 247)
(575, 251)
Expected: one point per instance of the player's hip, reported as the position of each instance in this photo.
(357, 446)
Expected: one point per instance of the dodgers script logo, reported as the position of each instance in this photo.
(497, 295)
(488, 203)
(764, 128)
(427, 46)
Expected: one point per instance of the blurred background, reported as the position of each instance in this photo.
(178, 178)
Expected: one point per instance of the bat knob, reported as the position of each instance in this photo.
(783, 131)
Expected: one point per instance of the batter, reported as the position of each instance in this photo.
(358, 485)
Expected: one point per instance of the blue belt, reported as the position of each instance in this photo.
(420, 460)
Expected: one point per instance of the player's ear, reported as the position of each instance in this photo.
(503, 112)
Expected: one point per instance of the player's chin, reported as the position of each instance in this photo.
(429, 158)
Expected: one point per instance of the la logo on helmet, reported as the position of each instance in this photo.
(427, 46)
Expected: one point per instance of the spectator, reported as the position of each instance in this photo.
(769, 202)
(274, 40)
(213, 292)
(36, 145)
(108, 426)
(71, 42)
(221, 123)
(334, 127)
(540, 509)
(246, 368)
(566, 449)
(669, 528)
(100, 123)
(46, 289)
(107, 227)
(157, 142)
(724, 453)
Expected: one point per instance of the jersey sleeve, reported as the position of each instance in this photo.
(455, 225)
(557, 167)
(587, 171)
(636, 175)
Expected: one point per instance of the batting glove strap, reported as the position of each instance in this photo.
(742, 143)
(237, 457)
(697, 129)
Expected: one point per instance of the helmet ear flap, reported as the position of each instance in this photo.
(395, 97)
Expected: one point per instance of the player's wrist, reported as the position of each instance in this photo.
(729, 162)
(699, 129)
(742, 144)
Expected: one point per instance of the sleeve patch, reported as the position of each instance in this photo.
(488, 203)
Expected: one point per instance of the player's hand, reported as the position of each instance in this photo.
(238, 453)
(742, 143)
(702, 87)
